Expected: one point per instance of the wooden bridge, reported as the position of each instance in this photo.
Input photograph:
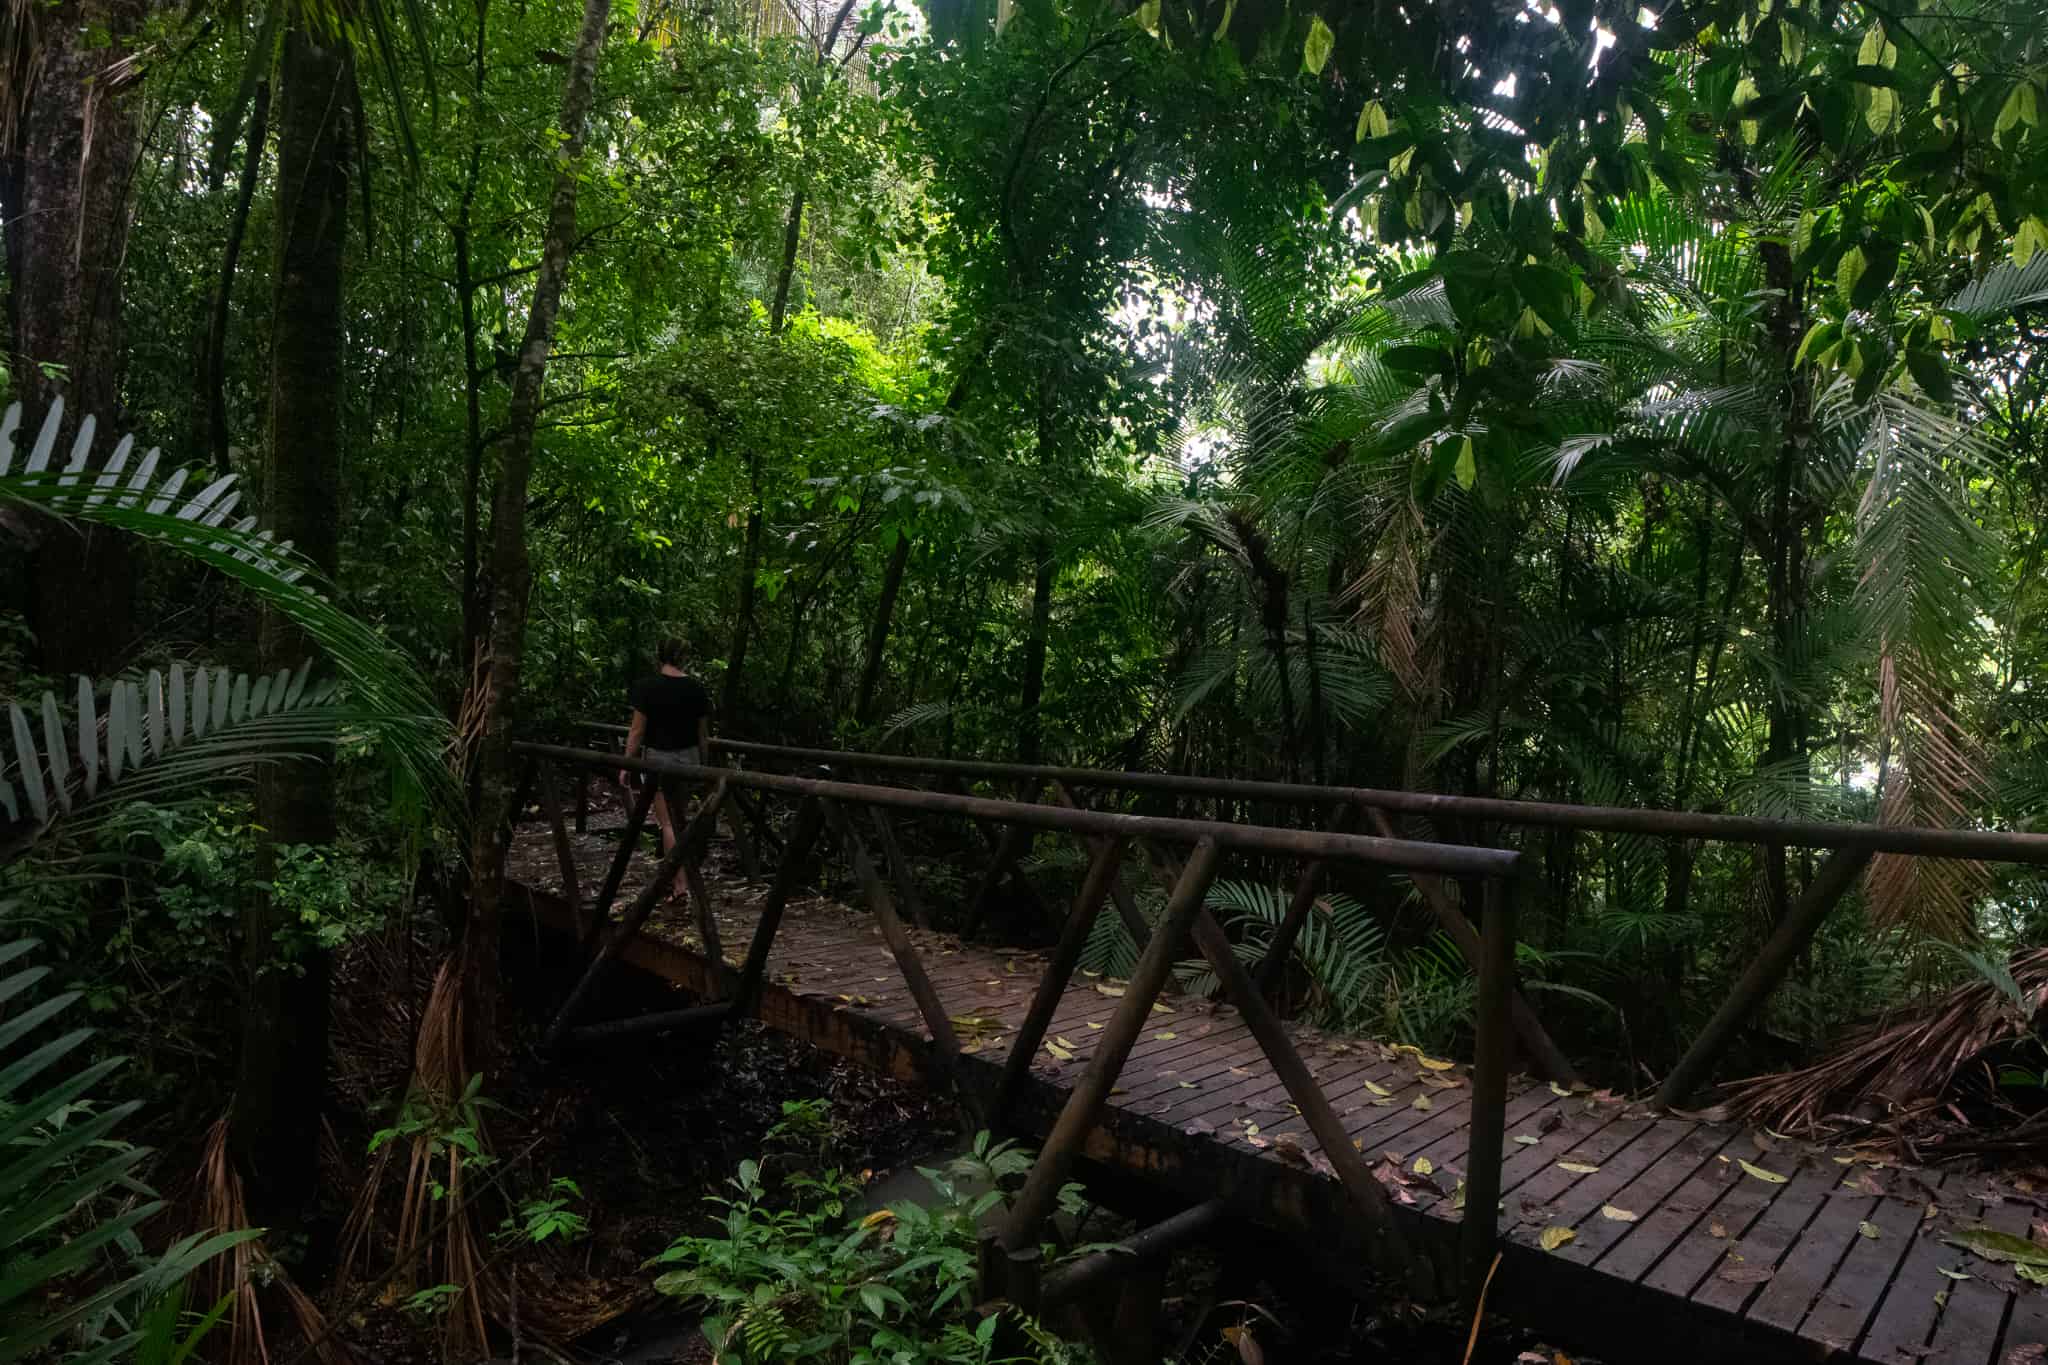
(1610, 1222)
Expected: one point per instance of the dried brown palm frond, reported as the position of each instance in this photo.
(246, 1270)
(1895, 1072)
(1936, 768)
(1389, 596)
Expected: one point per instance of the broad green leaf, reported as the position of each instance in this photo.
(1994, 1245)
(1849, 271)
(1315, 52)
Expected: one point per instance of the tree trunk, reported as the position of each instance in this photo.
(281, 1089)
(1030, 733)
(743, 617)
(474, 609)
(511, 573)
(66, 232)
(213, 360)
(878, 634)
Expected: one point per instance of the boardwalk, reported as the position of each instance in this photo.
(1662, 1232)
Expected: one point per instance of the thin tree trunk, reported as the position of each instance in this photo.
(878, 634)
(475, 612)
(67, 232)
(213, 362)
(511, 572)
(743, 617)
(1030, 732)
(281, 1089)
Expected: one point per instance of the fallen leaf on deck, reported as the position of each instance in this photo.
(1056, 1050)
(1845, 1161)
(2032, 1274)
(1251, 1130)
(1113, 992)
(1527, 1139)
(1555, 1236)
(1239, 1071)
(1063, 1042)
(1617, 1215)
(1869, 1230)
(1560, 1091)
(1746, 1273)
(1424, 1166)
(1458, 1196)
(1289, 1146)
(1188, 1085)
(1092, 1024)
(1717, 1228)
(1941, 1299)
(1422, 1102)
(1768, 1177)
(1954, 1274)
(1994, 1245)
(1166, 1035)
(1158, 1008)
(1577, 1167)
(1435, 1065)
(1376, 1089)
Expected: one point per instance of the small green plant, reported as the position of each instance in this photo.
(543, 1219)
(808, 1277)
(458, 1126)
(433, 1301)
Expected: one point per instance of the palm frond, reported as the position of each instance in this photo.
(394, 700)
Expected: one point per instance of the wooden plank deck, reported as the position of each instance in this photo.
(1673, 1242)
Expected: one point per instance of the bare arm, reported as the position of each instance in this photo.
(636, 733)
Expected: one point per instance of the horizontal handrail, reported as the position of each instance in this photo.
(2009, 846)
(1414, 855)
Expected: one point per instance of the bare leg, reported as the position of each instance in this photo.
(666, 821)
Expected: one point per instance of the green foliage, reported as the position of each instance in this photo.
(802, 1274)
(71, 1206)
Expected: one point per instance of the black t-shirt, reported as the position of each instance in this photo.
(673, 706)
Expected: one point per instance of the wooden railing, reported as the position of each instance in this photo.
(1010, 1261)
(1501, 1014)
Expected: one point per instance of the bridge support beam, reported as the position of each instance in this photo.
(810, 817)
(608, 892)
(565, 855)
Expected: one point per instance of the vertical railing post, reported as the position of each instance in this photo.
(899, 866)
(1493, 1030)
(1113, 1048)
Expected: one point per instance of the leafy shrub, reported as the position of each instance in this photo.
(816, 1280)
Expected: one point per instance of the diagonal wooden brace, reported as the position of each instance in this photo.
(944, 1040)
(809, 819)
(1066, 955)
(1546, 1056)
(1035, 1202)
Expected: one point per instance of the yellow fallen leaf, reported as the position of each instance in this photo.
(1113, 992)
(1358, 1144)
(1527, 1139)
(1577, 1167)
(1383, 1103)
(1251, 1130)
(1166, 1035)
(1869, 1230)
(1768, 1177)
(1056, 1050)
(1187, 1085)
(1063, 1042)
(1845, 1161)
(1609, 1211)
(1158, 1008)
(1458, 1196)
(1555, 1236)
(1377, 1089)
(1092, 1024)
(1424, 1166)
(1422, 1102)
(1434, 1065)
(1560, 1091)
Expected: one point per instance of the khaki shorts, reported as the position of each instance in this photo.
(688, 755)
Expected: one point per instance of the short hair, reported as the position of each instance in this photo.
(672, 651)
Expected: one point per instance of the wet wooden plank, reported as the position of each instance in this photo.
(1653, 1142)
(1838, 1317)
(1815, 1255)
(1729, 1282)
(1688, 1213)
(1905, 1316)
(1967, 1331)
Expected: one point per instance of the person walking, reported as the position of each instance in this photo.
(672, 720)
